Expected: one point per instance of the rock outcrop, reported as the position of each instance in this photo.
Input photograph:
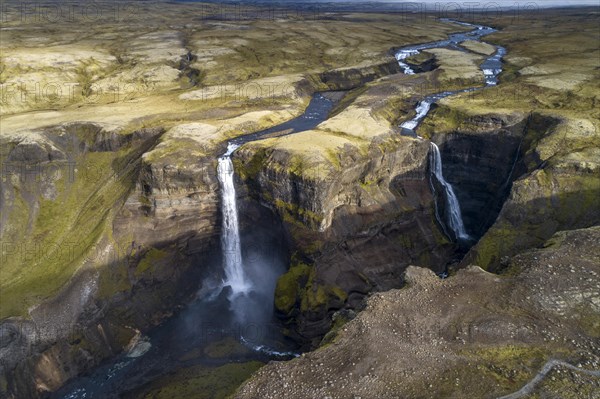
(356, 203)
(357, 227)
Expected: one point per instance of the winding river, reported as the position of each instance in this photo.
(219, 315)
(491, 67)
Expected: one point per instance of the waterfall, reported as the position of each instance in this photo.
(230, 234)
(455, 221)
(249, 298)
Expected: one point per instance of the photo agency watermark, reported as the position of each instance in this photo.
(42, 12)
(263, 91)
(468, 11)
(39, 252)
(64, 93)
(60, 170)
(38, 171)
(53, 12)
(251, 332)
(260, 12)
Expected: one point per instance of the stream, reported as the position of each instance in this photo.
(491, 68)
(239, 308)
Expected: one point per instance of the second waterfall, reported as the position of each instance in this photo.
(455, 220)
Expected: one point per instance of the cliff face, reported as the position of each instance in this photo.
(353, 228)
(96, 280)
(560, 193)
(481, 164)
(519, 178)
(350, 78)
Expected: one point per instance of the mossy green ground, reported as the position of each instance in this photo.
(201, 382)
(148, 261)
(297, 288)
(49, 243)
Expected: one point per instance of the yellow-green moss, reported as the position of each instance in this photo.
(495, 242)
(294, 214)
(149, 259)
(251, 168)
(510, 365)
(589, 320)
(201, 382)
(290, 285)
(298, 286)
(65, 230)
(333, 157)
(316, 297)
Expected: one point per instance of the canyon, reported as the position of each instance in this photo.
(348, 187)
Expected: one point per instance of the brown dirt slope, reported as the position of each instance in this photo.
(473, 335)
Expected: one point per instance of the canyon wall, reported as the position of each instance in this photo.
(352, 230)
(133, 236)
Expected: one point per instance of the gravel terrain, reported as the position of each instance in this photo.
(473, 335)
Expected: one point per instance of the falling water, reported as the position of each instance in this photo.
(455, 220)
(230, 234)
(247, 298)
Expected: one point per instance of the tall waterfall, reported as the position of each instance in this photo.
(455, 221)
(230, 234)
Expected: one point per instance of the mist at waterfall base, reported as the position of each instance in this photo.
(250, 274)
(244, 324)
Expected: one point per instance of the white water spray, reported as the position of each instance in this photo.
(455, 220)
(422, 110)
(403, 55)
(230, 234)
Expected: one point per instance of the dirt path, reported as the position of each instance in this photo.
(528, 388)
